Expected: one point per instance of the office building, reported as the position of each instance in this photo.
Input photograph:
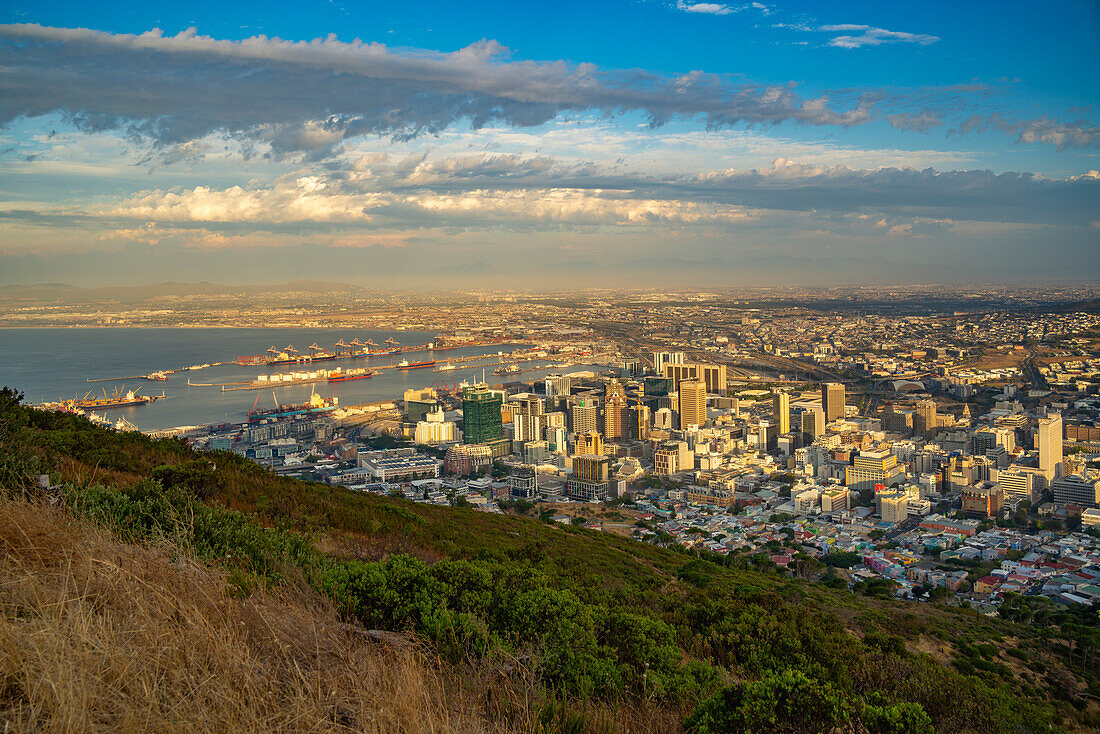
(656, 386)
(874, 467)
(832, 400)
(523, 484)
(589, 443)
(481, 418)
(660, 359)
(590, 479)
(713, 375)
(433, 430)
(925, 419)
(557, 385)
(527, 410)
(615, 417)
(639, 422)
(781, 411)
(692, 403)
(895, 506)
(1049, 442)
(1076, 489)
(418, 403)
(585, 415)
(813, 425)
(982, 500)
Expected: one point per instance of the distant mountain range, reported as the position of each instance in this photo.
(65, 293)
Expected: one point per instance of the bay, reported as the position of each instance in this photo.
(54, 364)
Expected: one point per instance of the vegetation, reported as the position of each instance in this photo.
(602, 632)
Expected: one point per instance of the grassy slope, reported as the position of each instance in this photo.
(601, 569)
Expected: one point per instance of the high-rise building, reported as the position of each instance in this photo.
(693, 403)
(481, 420)
(874, 467)
(526, 414)
(591, 477)
(894, 507)
(585, 415)
(714, 375)
(1076, 489)
(660, 359)
(639, 422)
(657, 386)
(557, 385)
(925, 419)
(615, 417)
(781, 409)
(832, 400)
(589, 443)
(813, 424)
(632, 366)
(1049, 441)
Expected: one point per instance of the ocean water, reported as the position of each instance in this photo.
(53, 364)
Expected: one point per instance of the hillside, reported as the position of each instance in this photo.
(529, 626)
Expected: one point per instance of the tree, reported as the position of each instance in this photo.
(787, 701)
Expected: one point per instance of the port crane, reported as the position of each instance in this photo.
(391, 340)
(338, 346)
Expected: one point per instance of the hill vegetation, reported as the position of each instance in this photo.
(498, 622)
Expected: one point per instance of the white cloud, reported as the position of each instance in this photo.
(705, 8)
(869, 36)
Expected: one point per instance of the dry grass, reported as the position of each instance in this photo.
(96, 635)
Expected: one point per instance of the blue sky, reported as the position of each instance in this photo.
(670, 140)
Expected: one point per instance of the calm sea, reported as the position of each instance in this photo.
(51, 364)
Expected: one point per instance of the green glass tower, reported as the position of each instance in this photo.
(481, 422)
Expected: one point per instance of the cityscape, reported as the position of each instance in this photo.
(633, 366)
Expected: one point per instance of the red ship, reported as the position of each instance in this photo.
(406, 365)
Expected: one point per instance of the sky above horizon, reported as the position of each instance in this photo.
(568, 143)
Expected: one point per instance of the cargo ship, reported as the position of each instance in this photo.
(447, 367)
(352, 374)
(316, 405)
(406, 365)
(156, 376)
(117, 399)
(511, 369)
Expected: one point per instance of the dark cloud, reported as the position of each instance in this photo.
(309, 96)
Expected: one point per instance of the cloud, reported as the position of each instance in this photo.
(706, 8)
(869, 36)
(1077, 134)
(922, 121)
(383, 196)
(310, 96)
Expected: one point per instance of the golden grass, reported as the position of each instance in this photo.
(96, 635)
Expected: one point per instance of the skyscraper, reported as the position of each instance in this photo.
(481, 421)
(925, 419)
(584, 415)
(1049, 441)
(639, 422)
(832, 400)
(693, 403)
(714, 375)
(615, 415)
(660, 359)
(813, 424)
(781, 409)
(527, 424)
(557, 385)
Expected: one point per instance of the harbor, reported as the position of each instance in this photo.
(193, 394)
